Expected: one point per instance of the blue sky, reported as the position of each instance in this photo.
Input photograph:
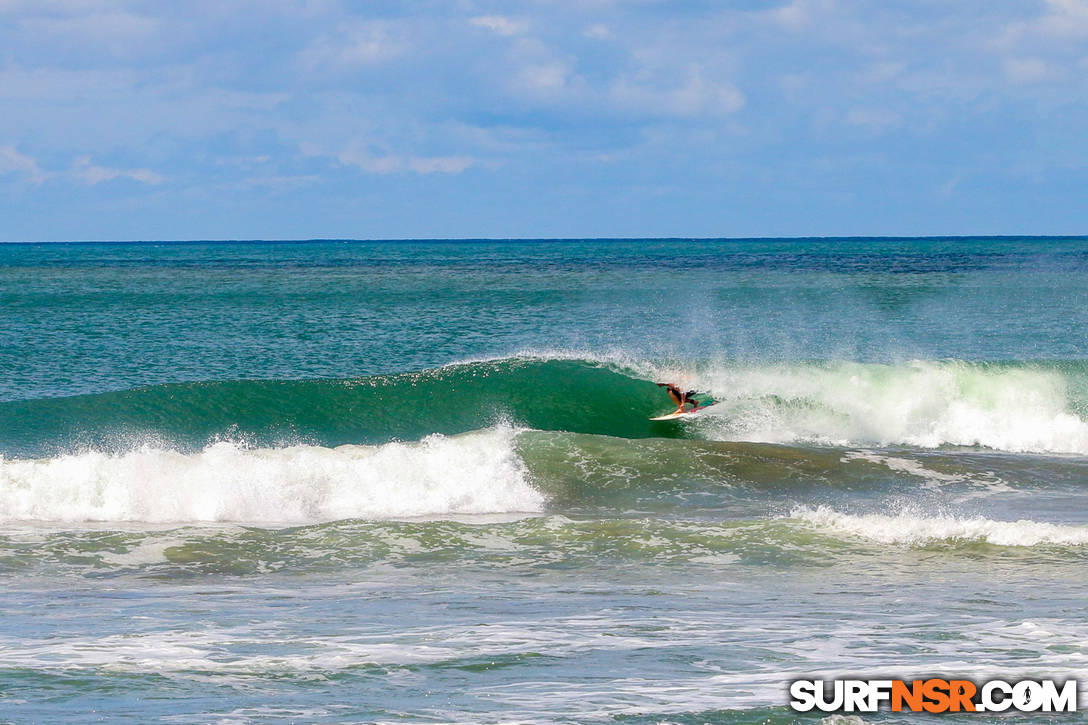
(600, 118)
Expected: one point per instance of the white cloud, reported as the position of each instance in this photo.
(798, 14)
(92, 174)
(1063, 21)
(948, 188)
(13, 162)
(83, 170)
(543, 78)
(874, 119)
(501, 140)
(355, 44)
(1065, 18)
(598, 31)
(880, 73)
(356, 155)
(34, 85)
(372, 164)
(57, 6)
(538, 71)
(439, 164)
(1027, 70)
(275, 182)
(104, 27)
(696, 96)
(500, 24)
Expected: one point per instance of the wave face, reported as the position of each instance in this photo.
(1016, 407)
(545, 394)
(469, 474)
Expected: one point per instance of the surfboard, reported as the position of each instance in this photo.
(688, 414)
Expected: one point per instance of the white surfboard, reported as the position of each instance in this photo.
(687, 414)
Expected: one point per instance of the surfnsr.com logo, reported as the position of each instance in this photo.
(933, 695)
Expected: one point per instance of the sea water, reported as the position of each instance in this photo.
(416, 481)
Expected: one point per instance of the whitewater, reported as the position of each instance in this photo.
(474, 473)
(417, 481)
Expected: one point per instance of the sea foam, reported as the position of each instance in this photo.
(473, 473)
(918, 530)
(923, 403)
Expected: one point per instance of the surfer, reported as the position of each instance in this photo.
(680, 397)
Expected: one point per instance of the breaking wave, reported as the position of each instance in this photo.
(468, 474)
(1014, 407)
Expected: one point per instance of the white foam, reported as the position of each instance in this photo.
(914, 530)
(474, 473)
(905, 465)
(985, 484)
(922, 403)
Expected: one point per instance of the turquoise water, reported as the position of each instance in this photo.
(416, 482)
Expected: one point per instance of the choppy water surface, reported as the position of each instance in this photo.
(416, 482)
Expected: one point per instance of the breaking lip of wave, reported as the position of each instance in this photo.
(1014, 407)
(472, 473)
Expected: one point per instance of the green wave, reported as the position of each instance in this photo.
(569, 395)
(1039, 407)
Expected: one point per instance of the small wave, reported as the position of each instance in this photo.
(911, 530)
(473, 473)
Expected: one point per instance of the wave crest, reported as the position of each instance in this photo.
(1024, 408)
(474, 473)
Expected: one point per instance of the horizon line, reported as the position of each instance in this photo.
(409, 240)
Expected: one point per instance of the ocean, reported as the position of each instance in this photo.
(416, 482)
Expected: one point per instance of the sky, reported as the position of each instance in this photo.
(269, 119)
